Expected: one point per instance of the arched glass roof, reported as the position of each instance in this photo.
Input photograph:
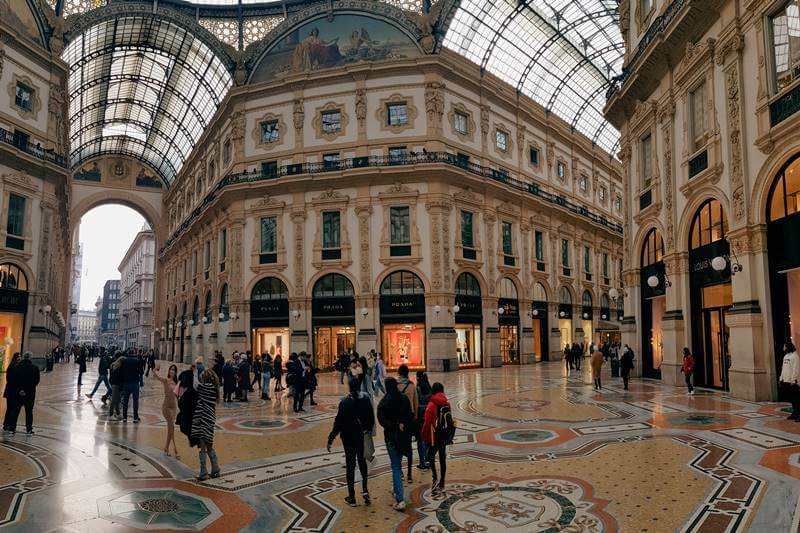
(561, 53)
(143, 87)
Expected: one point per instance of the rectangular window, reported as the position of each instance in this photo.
(207, 258)
(587, 260)
(697, 126)
(331, 225)
(583, 183)
(331, 121)
(785, 31)
(618, 202)
(397, 154)
(400, 225)
(534, 155)
(461, 123)
(269, 234)
(561, 170)
(223, 249)
(605, 265)
(539, 245)
(226, 152)
(330, 160)
(646, 159)
(270, 132)
(467, 235)
(23, 97)
(195, 268)
(397, 114)
(565, 253)
(602, 195)
(508, 248)
(15, 222)
(269, 169)
(501, 140)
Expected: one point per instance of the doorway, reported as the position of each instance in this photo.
(509, 344)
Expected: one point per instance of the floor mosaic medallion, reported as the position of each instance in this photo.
(159, 509)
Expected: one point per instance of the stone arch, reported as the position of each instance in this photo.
(766, 176)
(638, 241)
(13, 260)
(548, 291)
(572, 294)
(521, 289)
(477, 275)
(592, 296)
(254, 281)
(690, 210)
(387, 271)
(332, 270)
(106, 196)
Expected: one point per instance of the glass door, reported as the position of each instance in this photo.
(717, 335)
(509, 344)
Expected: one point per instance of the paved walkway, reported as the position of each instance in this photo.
(536, 450)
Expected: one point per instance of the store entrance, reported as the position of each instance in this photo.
(509, 344)
(330, 341)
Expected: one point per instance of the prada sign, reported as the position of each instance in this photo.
(341, 311)
(269, 312)
(403, 307)
(470, 309)
(13, 300)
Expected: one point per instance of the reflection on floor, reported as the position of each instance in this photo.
(536, 450)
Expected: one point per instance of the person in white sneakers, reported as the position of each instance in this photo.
(790, 379)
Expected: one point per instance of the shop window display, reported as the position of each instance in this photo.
(404, 344)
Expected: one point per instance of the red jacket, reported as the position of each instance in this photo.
(688, 364)
(432, 415)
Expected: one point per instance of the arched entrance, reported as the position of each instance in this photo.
(468, 319)
(565, 315)
(539, 317)
(587, 314)
(269, 317)
(13, 311)
(508, 319)
(711, 294)
(652, 276)
(333, 318)
(783, 227)
(402, 306)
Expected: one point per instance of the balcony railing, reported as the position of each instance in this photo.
(532, 189)
(656, 28)
(30, 149)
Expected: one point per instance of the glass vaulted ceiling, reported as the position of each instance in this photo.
(142, 87)
(561, 53)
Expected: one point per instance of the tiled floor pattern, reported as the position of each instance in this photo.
(536, 450)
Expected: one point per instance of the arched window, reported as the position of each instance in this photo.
(270, 289)
(196, 310)
(333, 285)
(586, 299)
(12, 277)
(223, 301)
(402, 282)
(539, 294)
(604, 302)
(508, 289)
(653, 249)
(709, 224)
(564, 296)
(467, 285)
(207, 308)
(784, 198)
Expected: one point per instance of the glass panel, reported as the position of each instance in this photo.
(269, 234)
(507, 242)
(16, 215)
(397, 114)
(269, 131)
(565, 252)
(564, 296)
(461, 123)
(331, 229)
(539, 245)
(508, 289)
(501, 140)
(331, 121)
(697, 115)
(786, 45)
(400, 226)
(792, 184)
(404, 344)
(646, 155)
(587, 259)
(539, 294)
(467, 240)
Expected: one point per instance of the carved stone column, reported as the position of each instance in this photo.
(673, 325)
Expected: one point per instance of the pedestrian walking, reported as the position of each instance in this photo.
(277, 372)
(131, 379)
(438, 432)
(117, 382)
(26, 377)
(424, 394)
(81, 362)
(353, 423)
(626, 365)
(102, 370)
(790, 379)
(394, 415)
(203, 422)
(10, 393)
(688, 369)
(596, 363)
(380, 374)
(407, 387)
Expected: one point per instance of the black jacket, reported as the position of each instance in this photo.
(116, 377)
(131, 369)
(27, 377)
(11, 381)
(393, 410)
(105, 363)
(354, 418)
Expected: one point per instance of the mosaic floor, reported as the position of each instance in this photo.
(536, 450)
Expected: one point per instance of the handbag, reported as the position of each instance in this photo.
(369, 447)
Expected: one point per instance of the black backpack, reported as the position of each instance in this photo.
(445, 429)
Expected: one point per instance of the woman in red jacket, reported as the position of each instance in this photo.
(429, 435)
(688, 369)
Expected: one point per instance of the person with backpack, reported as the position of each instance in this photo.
(438, 431)
(102, 369)
(353, 421)
(424, 393)
(407, 387)
(394, 415)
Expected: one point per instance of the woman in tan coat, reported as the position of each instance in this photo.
(170, 406)
(597, 366)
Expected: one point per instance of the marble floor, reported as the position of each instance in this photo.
(536, 450)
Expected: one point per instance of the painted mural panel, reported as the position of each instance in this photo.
(322, 43)
(19, 15)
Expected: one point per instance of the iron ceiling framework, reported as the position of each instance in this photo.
(560, 53)
(143, 87)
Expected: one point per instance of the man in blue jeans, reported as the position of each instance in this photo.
(102, 369)
(394, 414)
(131, 375)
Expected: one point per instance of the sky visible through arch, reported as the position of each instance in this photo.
(106, 232)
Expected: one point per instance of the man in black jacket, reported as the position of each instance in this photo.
(102, 370)
(131, 376)
(353, 420)
(26, 376)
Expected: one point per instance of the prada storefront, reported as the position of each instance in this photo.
(652, 277)
(468, 312)
(13, 308)
(508, 311)
(333, 317)
(402, 306)
(269, 318)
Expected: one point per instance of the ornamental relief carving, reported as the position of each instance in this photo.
(694, 56)
(236, 262)
(298, 114)
(361, 107)
(434, 103)
(484, 121)
(734, 43)
(329, 135)
(382, 114)
(489, 220)
(364, 212)
(268, 142)
(299, 219)
(734, 141)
